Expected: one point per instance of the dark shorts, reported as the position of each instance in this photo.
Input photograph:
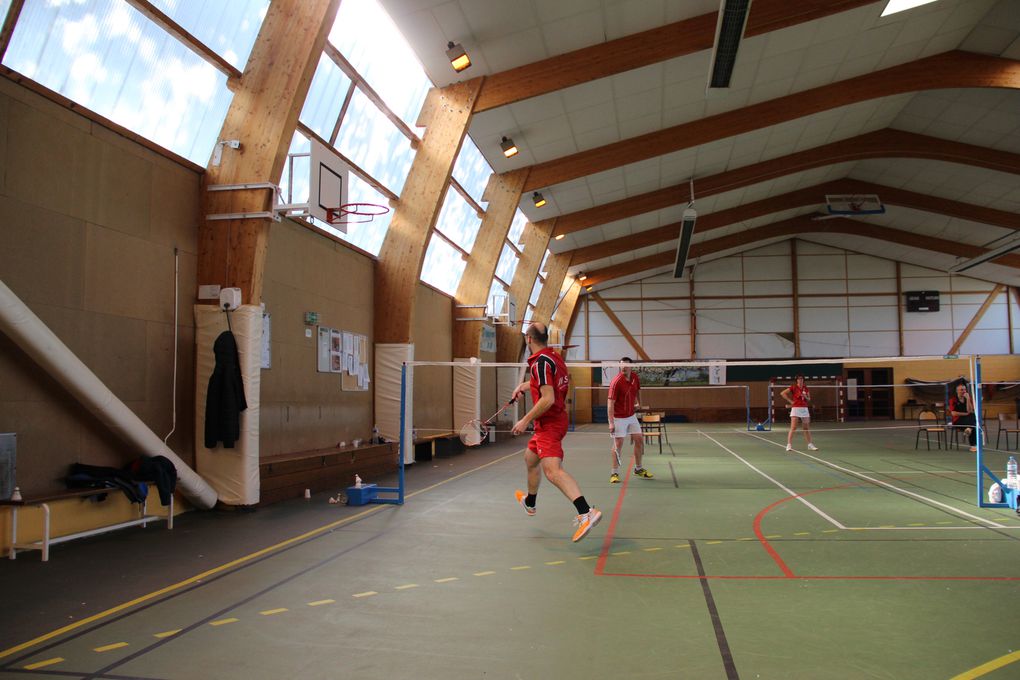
(547, 441)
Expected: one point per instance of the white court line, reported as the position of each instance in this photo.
(861, 475)
(777, 483)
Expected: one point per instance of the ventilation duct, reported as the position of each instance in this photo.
(729, 30)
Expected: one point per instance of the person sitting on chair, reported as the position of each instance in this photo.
(961, 410)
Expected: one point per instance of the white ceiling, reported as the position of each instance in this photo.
(503, 34)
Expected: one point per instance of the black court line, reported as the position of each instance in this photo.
(673, 472)
(70, 674)
(713, 612)
(101, 673)
(35, 651)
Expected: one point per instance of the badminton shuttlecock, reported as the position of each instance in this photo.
(16, 495)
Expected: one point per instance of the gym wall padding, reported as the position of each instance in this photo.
(234, 473)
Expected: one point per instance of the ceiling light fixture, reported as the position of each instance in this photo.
(895, 6)
(581, 276)
(1007, 247)
(560, 237)
(459, 58)
(539, 199)
(509, 148)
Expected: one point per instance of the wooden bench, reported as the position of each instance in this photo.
(437, 445)
(43, 502)
(287, 475)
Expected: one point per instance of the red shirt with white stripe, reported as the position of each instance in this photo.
(800, 395)
(547, 368)
(623, 392)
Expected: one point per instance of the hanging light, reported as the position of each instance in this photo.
(509, 148)
(560, 237)
(459, 59)
(538, 199)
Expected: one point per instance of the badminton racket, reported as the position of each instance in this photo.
(474, 432)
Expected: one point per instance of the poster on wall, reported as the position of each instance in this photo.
(322, 347)
(267, 333)
(336, 351)
(667, 376)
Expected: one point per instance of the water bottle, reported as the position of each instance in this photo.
(1012, 481)
(357, 482)
(375, 434)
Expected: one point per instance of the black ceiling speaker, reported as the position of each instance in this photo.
(683, 246)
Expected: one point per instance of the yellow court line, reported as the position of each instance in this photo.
(223, 622)
(484, 573)
(233, 563)
(553, 564)
(320, 602)
(406, 586)
(519, 568)
(651, 549)
(166, 633)
(712, 542)
(620, 552)
(985, 668)
(682, 545)
(106, 648)
(803, 533)
(367, 593)
(43, 664)
(270, 612)
(447, 579)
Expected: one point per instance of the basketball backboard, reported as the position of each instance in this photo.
(328, 183)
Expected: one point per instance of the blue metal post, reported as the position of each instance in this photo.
(977, 426)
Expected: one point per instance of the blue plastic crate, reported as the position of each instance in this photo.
(362, 496)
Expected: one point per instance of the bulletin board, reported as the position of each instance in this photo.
(345, 353)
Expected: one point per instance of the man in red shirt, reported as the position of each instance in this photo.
(548, 384)
(623, 398)
(961, 410)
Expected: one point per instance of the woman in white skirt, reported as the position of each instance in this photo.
(798, 397)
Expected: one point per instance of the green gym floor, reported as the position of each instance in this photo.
(866, 559)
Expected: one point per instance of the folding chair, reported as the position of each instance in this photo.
(1008, 423)
(651, 427)
(928, 422)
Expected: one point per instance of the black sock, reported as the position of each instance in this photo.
(529, 500)
(581, 505)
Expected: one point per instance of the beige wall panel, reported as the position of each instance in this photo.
(34, 241)
(303, 409)
(128, 276)
(874, 344)
(820, 267)
(433, 341)
(176, 207)
(49, 440)
(115, 188)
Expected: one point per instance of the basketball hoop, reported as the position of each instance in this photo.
(366, 212)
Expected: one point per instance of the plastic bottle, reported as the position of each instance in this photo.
(1011, 477)
(375, 434)
(357, 482)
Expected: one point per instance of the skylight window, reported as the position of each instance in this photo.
(895, 6)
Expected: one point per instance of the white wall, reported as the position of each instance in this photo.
(847, 306)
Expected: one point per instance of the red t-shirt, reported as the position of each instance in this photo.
(958, 405)
(623, 392)
(800, 395)
(547, 368)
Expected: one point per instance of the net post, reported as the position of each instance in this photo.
(747, 406)
(841, 399)
(402, 442)
(772, 402)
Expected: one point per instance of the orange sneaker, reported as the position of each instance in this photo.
(585, 523)
(520, 496)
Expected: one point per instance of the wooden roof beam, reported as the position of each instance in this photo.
(796, 199)
(502, 193)
(509, 341)
(886, 143)
(263, 116)
(643, 49)
(445, 117)
(955, 69)
(798, 226)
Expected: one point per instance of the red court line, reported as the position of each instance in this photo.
(787, 572)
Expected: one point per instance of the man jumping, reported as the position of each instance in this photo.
(548, 384)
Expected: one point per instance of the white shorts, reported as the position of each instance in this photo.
(625, 426)
(800, 412)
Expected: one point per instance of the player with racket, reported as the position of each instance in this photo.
(548, 383)
(624, 391)
(797, 397)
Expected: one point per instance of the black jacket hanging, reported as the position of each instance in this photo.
(225, 398)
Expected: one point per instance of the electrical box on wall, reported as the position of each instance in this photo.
(230, 298)
(922, 300)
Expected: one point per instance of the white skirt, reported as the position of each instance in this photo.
(800, 412)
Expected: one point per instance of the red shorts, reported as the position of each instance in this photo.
(547, 441)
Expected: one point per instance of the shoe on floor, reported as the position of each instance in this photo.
(586, 522)
(789, 447)
(641, 472)
(520, 496)
(973, 449)
(614, 478)
(812, 447)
